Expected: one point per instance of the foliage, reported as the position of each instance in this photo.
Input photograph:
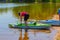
(45, 0)
(28, 1)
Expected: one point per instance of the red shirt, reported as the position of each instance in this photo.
(23, 13)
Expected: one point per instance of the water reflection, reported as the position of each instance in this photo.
(20, 38)
(35, 10)
(37, 34)
(25, 35)
(3, 11)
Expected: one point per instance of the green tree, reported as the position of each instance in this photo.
(58, 1)
(29, 1)
(45, 1)
(54, 1)
(15, 1)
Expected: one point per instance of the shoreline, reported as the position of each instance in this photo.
(57, 36)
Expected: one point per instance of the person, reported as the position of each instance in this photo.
(59, 13)
(25, 15)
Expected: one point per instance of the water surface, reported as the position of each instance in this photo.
(9, 14)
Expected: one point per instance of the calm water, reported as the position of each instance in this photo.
(9, 14)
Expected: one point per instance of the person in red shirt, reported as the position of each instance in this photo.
(25, 15)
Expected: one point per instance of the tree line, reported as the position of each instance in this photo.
(24, 1)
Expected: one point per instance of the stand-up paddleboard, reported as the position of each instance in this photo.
(31, 26)
(52, 22)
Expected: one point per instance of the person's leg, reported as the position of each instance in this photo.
(26, 17)
(26, 23)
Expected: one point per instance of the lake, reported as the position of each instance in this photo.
(9, 14)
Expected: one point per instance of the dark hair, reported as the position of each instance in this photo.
(19, 13)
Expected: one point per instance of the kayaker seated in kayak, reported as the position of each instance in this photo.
(25, 15)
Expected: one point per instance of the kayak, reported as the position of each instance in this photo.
(52, 22)
(30, 26)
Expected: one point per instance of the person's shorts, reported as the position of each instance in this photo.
(26, 17)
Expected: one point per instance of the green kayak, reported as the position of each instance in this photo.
(34, 25)
(30, 26)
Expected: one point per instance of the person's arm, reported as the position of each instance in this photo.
(20, 18)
